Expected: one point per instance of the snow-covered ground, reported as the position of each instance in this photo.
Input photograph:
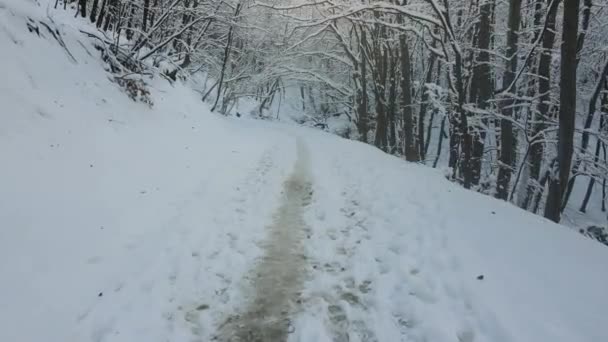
(123, 223)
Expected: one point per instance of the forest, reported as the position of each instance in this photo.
(515, 92)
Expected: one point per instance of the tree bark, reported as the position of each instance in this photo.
(409, 149)
(93, 14)
(101, 14)
(82, 5)
(507, 148)
(381, 57)
(483, 83)
(362, 120)
(567, 112)
(144, 20)
(422, 148)
(392, 104)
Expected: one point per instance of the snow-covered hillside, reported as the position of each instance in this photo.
(121, 222)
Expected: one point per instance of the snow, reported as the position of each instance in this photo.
(120, 222)
(422, 242)
(104, 195)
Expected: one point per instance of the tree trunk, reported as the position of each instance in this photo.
(392, 104)
(409, 149)
(362, 123)
(380, 88)
(101, 14)
(604, 182)
(422, 148)
(567, 112)
(111, 13)
(429, 130)
(82, 5)
(454, 143)
(144, 21)
(483, 83)
(93, 14)
(507, 148)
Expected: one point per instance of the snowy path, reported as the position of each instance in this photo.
(277, 278)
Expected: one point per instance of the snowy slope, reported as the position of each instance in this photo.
(123, 223)
(108, 206)
(422, 242)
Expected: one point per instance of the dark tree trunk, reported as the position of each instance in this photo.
(111, 13)
(303, 98)
(604, 195)
(82, 5)
(567, 112)
(101, 14)
(382, 121)
(409, 149)
(362, 124)
(144, 22)
(392, 104)
(583, 208)
(507, 148)
(422, 142)
(454, 143)
(454, 147)
(604, 182)
(433, 114)
(483, 84)
(93, 14)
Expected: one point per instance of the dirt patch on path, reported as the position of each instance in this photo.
(277, 278)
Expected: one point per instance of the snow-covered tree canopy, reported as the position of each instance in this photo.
(510, 95)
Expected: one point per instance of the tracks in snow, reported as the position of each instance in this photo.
(178, 287)
(277, 278)
(382, 264)
(370, 266)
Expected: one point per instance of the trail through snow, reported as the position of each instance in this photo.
(277, 278)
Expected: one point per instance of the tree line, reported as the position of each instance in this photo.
(511, 94)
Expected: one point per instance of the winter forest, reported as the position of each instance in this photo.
(514, 92)
(303, 170)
